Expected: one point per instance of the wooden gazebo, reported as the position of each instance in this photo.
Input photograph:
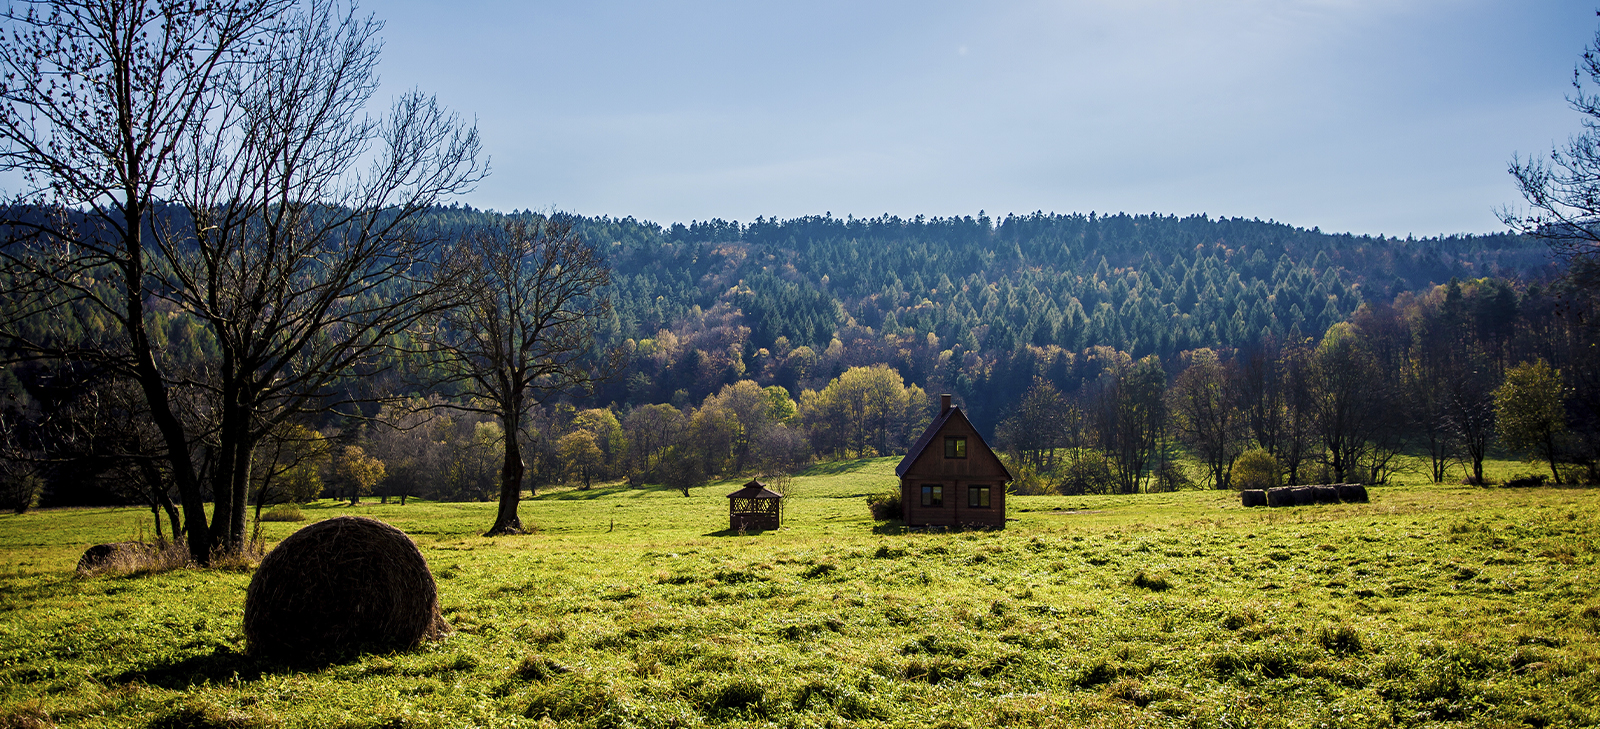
(754, 508)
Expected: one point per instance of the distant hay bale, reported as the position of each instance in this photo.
(1326, 494)
(340, 585)
(115, 556)
(1353, 492)
(1253, 497)
(1303, 495)
(1280, 496)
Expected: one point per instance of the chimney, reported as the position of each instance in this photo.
(944, 404)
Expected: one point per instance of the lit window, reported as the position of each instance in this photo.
(978, 497)
(955, 446)
(932, 495)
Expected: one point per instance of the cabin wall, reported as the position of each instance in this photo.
(955, 512)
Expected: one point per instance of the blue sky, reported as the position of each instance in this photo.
(1371, 116)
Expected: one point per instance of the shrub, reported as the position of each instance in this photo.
(1527, 480)
(884, 506)
(1087, 471)
(1256, 469)
(1171, 477)
(1025, 480)
(284, 512)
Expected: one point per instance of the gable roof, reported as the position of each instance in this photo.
(926, 439)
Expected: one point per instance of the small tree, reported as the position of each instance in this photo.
(357, 472)
(1529, 412)
(1256, 469)
(581, 456)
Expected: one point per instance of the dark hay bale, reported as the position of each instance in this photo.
(1303, 495)
(1326, 494)
(341, 585)
(1253, 497)
(114, 555)
(1353, 493)
(1280, 496)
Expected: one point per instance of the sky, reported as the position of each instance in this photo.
(1394, 117)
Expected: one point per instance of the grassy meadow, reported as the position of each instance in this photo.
(1430, 606)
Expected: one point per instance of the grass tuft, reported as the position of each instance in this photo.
(1154, 583)
(284, 512)
(1341, 639)
(539, 668)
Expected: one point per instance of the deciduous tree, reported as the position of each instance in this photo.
(1530, 413)
(525, 333)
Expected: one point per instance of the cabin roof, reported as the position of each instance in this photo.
(925, 439)
(755, 490)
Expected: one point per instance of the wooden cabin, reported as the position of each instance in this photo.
(950, 477)
(754, 508)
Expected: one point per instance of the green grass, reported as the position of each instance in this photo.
(1429, 606)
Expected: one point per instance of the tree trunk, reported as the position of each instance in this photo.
(506, 520)
(154, 388)
(240, 485)
(1550, 455)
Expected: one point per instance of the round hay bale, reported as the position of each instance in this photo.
(1253, 497)
(1303, 495)
(340, 585)
(1326, 494)
(1280, 496)
(1353, 492)
(112, 555)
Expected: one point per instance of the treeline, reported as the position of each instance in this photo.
(969, 305)
(756, 348)
(1448, 375)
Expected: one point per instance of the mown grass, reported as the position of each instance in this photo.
(1429, 606)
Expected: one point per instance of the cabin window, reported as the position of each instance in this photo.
(978, 497)
(932, 495)
(955, 446)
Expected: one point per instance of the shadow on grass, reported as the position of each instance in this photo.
(889, 528)
(737, 533)
(221, 665)
(597, 492)
(834, 468)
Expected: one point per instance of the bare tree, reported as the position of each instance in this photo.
(304, 265)
(1206, 415)
(250, 115)
(97, 100)
(1128, 417)
(1563, 192)
(525, 332)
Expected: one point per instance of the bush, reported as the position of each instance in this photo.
(1025, 481)
(1171, 477)
(1527, 480)
(1256, 469)
(884, 506)
(1087, 471)
(284, 512)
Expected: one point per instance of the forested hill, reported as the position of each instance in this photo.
(1143, 284)
(737, 300)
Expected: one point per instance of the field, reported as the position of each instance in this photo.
(1430, 606)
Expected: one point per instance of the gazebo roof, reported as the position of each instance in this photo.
(754, 490)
